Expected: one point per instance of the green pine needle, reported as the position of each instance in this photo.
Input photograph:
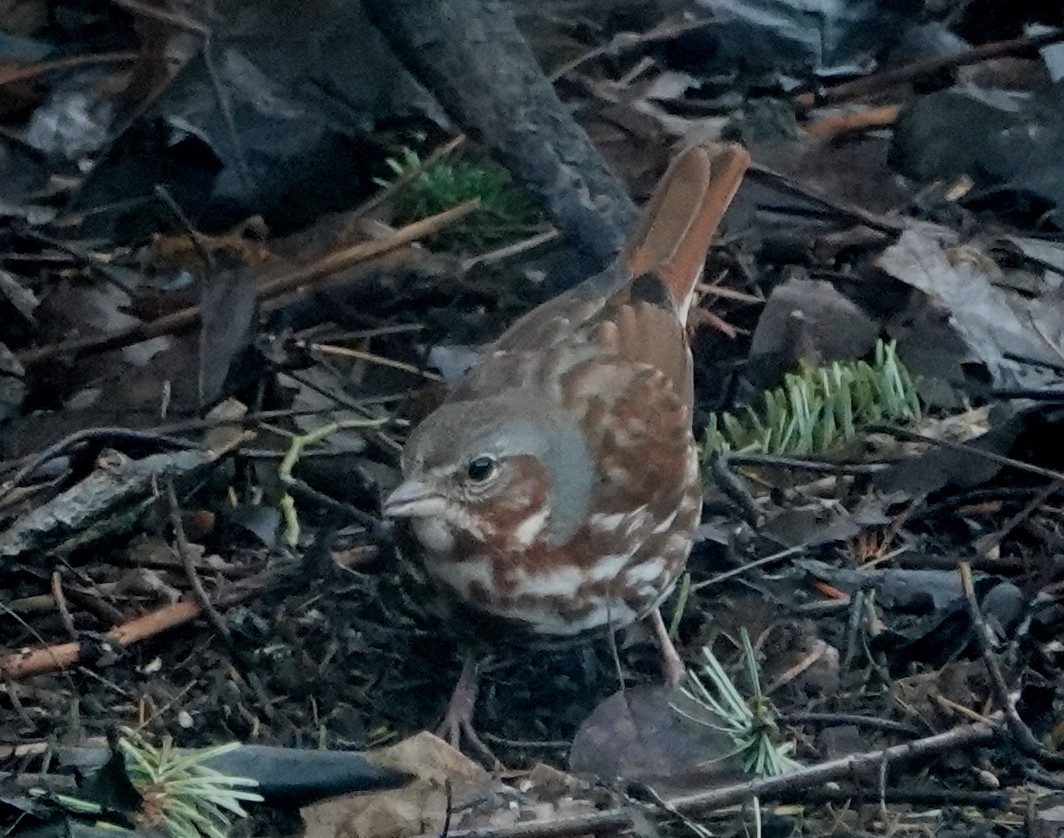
(819, 409)
(749, 723)
(181, 792)
(506, 211)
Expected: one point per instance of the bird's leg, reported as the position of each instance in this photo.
(458, 719)
(671, 664)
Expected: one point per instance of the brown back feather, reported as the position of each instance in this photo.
(668, 247)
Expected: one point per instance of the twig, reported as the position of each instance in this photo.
(369, 357)
(813, 775)
(45, 659)
(511, 250)
(733, 489)
(876, 222)
(1047, 339)
(529, 744)
(103, 435)
(86, 257)
(989, 543)
(765, 787)
(738, 571)
(367, 250)
(1020, 734)
(718, 290)
(927, 66)
(820, 648)
(851, 123)
(186, 318)
(912, 436)
(853, 627)
(393, 263)
(10, 75)
(184, 550)
(837, 719)
(163, 16)
(628, 41)
(803, 464)
(195, 242)
(376, 529)
(1039, 776)
(225, 106)
(917, 797)
(42, 660)
(61, 605)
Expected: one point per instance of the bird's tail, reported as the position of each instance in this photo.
(682, 217)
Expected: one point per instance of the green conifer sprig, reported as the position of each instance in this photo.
(818, 409)
(506, 211)
(181, 792)
(748, 721)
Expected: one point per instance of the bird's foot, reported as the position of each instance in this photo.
(672, 666)
(457, 724)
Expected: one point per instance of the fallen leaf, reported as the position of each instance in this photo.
(996, 325)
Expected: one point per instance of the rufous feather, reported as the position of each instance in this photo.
(682, 217)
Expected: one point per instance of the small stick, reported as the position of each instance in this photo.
(106, 436)
(1022, 737)
(45, 659)
(854, 719)
(369, 357)
(184, 550)
(186, 318)
(881, 223)
(738, 571)
(163, 16)
(9, 75)
(978, 733)
(912, 436)
(511, 250)
(802, 464)
(878, 81)
(628, 41)
(852, 123)
(61, 605)
(42, 660)
(367, 250)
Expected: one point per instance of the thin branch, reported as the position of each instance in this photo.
(184, 550)
(978, 733)
(912, 436)
(186, 318)
(629, 41)
(879, 81)
(105, 436)
(10, 75)
(61, 605)
(41, 660)
(1022, 737)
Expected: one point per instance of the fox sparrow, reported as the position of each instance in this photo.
(557, 487)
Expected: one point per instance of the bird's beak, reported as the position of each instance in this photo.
(414, 499)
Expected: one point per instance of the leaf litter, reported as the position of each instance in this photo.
(899, 590)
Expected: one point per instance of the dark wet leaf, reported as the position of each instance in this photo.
(260, 521)
(637, 734)
(228, 308)
(937, 467)
(997, 325)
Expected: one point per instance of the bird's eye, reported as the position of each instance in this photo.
(481, 468)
